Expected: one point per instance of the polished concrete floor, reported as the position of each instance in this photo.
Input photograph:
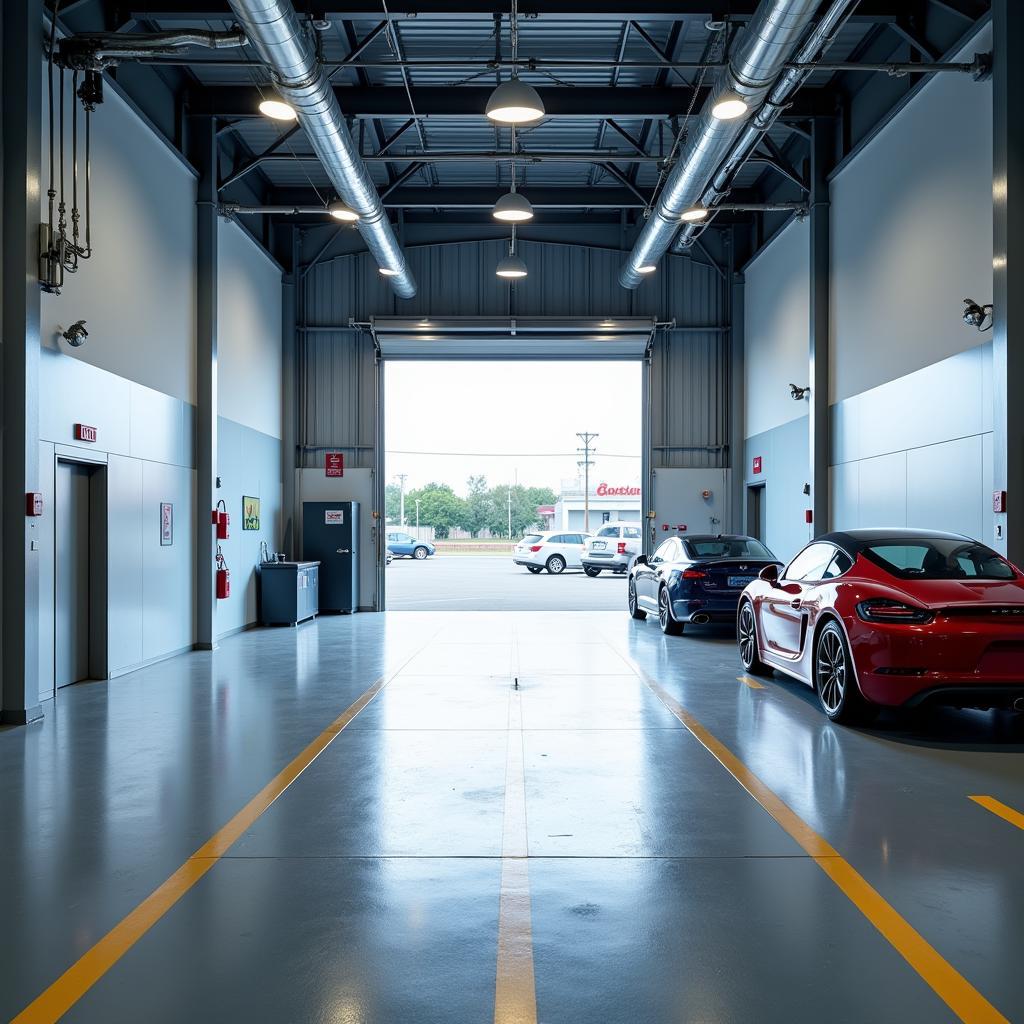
(389, 881)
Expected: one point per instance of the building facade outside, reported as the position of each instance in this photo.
(610, 501)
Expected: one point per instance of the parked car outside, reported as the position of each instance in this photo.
(400, 543)
(696, 579)
(554, 550)
(613, 547)
(899, 618)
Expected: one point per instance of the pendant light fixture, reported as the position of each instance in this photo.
(511, 267)
(341, 211)
(513, 207)
(278, 110)
(515, 102)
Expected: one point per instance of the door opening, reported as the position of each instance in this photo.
(80, 574)
(757, 512)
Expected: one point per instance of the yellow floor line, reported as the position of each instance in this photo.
(998, 807)
(52, 1004)
(752, 683)
(947, 983)
(515, 991)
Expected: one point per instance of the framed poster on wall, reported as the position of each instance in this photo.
(166, 524)
(250, 513)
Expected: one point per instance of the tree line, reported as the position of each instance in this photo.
(483, 508)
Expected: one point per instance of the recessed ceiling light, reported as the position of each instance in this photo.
(278, 110)
(729, 106)
(694, 213)
(515, 102)
(511, 267)
(341, 211)
(647, 268)
(513, 207)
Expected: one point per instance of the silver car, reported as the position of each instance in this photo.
(613, 548)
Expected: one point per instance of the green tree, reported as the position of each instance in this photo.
(440, 507)
(392, 502)
(479, 505)
(517, 503)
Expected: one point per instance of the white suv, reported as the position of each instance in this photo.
(614, 547)
(553, 550)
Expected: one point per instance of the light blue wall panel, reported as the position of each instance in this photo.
(248, 463)
(47, 565)
(124, 564)
(945, 483)
(883, 491)
(845, 482)
(160, 427)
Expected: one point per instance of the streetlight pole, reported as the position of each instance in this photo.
(510, 513)
(401, 503)
(417, 518)
(586, 463)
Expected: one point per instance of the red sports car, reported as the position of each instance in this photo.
(890, 617)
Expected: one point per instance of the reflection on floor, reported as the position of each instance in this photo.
(515, 827)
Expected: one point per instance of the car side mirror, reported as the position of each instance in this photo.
(640, 560)
(770, 574)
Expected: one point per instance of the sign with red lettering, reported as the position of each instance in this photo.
(85, 433)
(757, 463)
(334, 464)
(999, 501)
(604, 491)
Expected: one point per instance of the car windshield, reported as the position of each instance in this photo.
(930, 558)
(728, 547)
(531, 538)
(608, 531)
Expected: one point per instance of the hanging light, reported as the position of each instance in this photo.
(512, 207)
(729, 106)
(342, 211)
(647, 268)
(278, 110)
(511, 267)
(694, 213)
(515, 102)
(387, 272)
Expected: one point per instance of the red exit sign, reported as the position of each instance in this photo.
(83, 432)
(334, 464)
(757, 463)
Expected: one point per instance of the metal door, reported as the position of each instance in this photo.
(72, 604)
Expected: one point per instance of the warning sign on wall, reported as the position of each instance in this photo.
(334, 464)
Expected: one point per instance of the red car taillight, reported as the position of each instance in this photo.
(692, 574)
(621, 547)
(881, 609)
(536, 547)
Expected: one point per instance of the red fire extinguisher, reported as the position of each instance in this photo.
(221, 520)
(223, 576)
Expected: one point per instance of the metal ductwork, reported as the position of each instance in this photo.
(96, 51)
(768, 43)
(273, 28)
(816, 44)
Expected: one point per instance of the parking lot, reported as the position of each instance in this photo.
(494, 583)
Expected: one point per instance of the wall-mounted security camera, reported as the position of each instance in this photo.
(975, 315)
(798, 394)
(807, 488)
(76, 334)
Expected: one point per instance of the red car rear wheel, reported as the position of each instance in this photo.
(835, 681)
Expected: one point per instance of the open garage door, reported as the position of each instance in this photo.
(512, 337)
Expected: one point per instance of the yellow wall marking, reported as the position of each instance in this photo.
(52, 1004)
(752, 683)
(998, 807)
(515, 991)
(947, 983)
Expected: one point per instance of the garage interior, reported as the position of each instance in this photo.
(219, 224)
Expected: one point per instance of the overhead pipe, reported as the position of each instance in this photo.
(272, 26)
(96, 51)
(795, 75)
(769, 40)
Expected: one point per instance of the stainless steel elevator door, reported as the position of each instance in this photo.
(71, 611)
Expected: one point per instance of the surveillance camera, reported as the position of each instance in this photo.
(975, 315)
(76, 334)
(798, 394)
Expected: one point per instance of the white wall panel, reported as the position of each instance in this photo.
(678, 499)
(249, 332)
(124, 563)
(845, 481)
(944, 485)
(45, 540)
(776, 329)
(160, 427)
(912, 235)
(137, 292)
(883, 490)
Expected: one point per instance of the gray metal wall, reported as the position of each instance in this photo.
(689, 372)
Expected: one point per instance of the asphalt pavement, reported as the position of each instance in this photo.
(494, 583)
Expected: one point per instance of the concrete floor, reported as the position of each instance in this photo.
(494, 583)
(387, 883)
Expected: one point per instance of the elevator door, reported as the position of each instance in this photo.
(72, 584)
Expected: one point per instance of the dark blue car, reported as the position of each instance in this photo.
(695, 579)
(400, 543)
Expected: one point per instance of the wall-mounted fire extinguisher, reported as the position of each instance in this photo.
(223, 576)
(221, 520)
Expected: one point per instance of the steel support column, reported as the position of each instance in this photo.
(22, 43)
(822, 150)
(288, 406)
(204, 136)
(1008, 259)
(737, 396)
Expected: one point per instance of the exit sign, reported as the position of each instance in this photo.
(85, 433)
(757, 463)
(334, 464)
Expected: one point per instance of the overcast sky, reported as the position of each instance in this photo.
(526, 411)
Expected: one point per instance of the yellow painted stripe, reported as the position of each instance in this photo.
(752, 683)
(1003, 810)
(947, 983)
(515, 990)
(52, 1004)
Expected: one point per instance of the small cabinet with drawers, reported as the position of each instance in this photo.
(289, 592)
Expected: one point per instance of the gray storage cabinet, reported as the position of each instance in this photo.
(289, 592)
(330, 535)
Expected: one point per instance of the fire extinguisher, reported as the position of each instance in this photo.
(221, 520)
(223, 576)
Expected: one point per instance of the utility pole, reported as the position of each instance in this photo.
(586, 451)
(510, 513)
(401, 503)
